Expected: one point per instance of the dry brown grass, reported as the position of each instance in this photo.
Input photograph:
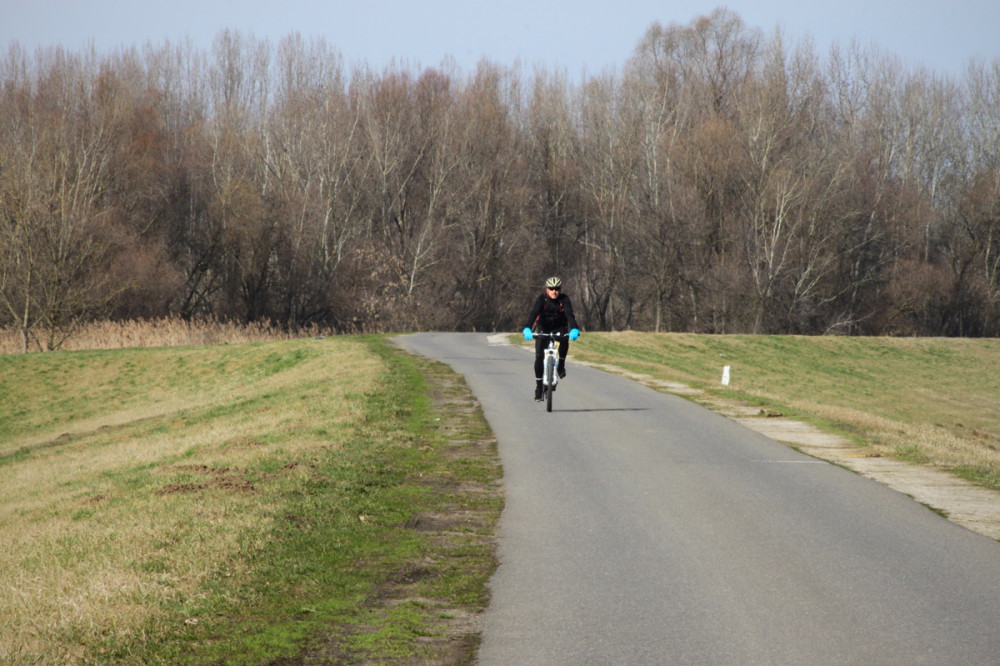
(88, 569)
(163, 332)
(934, 443)
(119, 502)
(928, 400)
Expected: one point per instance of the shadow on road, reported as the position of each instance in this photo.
(605, 409)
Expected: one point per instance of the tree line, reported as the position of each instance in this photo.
(725, 180)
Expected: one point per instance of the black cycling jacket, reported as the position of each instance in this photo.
(552, 314)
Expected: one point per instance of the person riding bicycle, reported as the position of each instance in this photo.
(551, 313)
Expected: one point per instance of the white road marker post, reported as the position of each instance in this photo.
(725, 376)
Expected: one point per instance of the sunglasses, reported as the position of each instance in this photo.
(554, 288)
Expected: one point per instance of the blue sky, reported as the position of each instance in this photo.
(575, 35)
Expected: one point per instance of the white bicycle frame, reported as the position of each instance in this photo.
(549, 364)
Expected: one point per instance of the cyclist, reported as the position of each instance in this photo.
(551, 313)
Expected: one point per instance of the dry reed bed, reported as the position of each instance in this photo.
(162, 332)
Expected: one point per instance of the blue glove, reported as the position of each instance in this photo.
(527, 333)
(574, 334)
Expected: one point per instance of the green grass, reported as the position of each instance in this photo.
(239, 504)
(335, 500)
(928, 400)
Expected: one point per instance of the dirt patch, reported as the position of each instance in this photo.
(219, 478)
(467, 520)
(971, 506)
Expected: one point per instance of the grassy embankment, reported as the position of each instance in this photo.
(256, 502)
(241, 504)
(930, 401)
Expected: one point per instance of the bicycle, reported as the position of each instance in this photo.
(550, 377)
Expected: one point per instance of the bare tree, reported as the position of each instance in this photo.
(973, 246)
(609, 156)
(492, 183)
(244, 235)
(864, 87)
(792, 181)
(718, 55)
(724, 182)
(314, 166)
(552, 135)
(59, 142)
(667, 251)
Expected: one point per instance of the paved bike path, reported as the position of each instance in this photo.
(640, 528)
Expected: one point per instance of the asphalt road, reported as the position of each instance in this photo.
(640, 528)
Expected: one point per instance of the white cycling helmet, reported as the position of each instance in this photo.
(553, 283)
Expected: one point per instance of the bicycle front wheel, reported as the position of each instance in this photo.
(550, 372)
